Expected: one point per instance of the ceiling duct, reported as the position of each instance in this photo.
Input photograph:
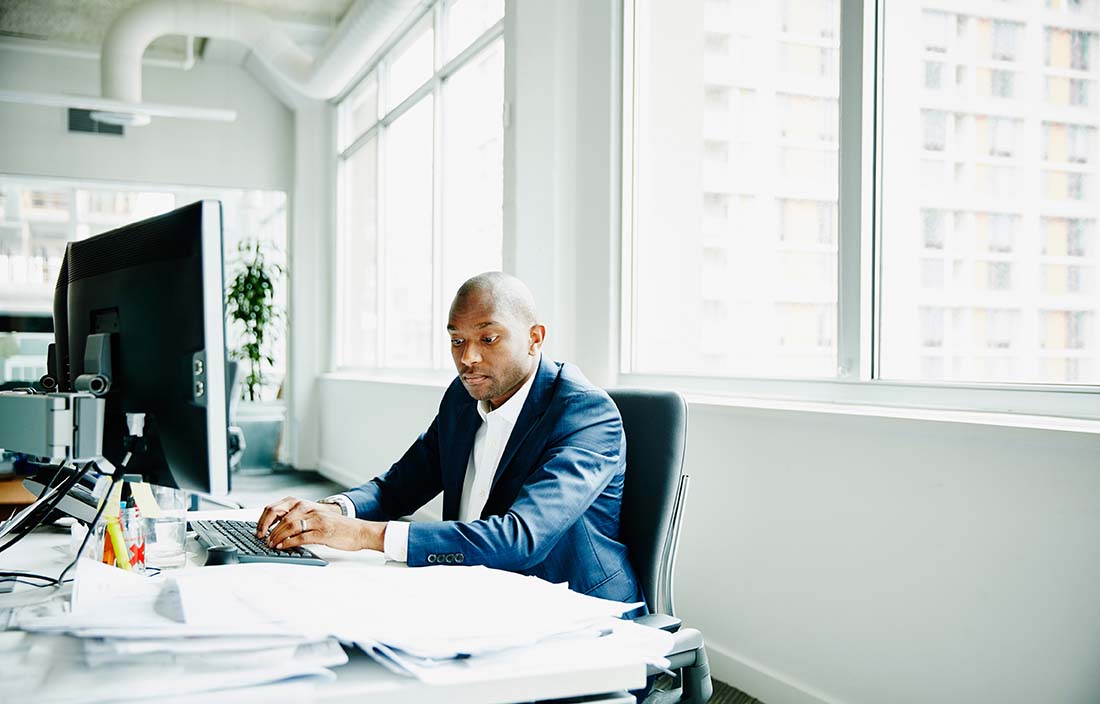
(361, 34)
(355, 41)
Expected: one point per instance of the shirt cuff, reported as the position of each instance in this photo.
(345, 504)
(396, 543)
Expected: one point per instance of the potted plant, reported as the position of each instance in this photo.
(252, 310)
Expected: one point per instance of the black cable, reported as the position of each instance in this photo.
(91, 526)
(43, 511)
(38, 516)
(60, 467)
(25, 577)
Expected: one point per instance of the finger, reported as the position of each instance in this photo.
(298, 539)
(267, 518)
(290, 524)
(282, 530)
(271, 513)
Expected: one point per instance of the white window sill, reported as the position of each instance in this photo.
(438, 379)
(1008, 420)
(1070, 409)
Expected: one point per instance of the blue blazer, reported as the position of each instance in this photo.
(553, 511)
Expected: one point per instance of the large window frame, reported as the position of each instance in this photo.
(858, 383)
(443, 69)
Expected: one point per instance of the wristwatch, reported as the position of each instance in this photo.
(342, 501)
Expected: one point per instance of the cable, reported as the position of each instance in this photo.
(24, 577)
(39, 514)
(91, 526)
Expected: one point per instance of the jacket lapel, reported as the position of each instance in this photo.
(457, 458)
(542, 389)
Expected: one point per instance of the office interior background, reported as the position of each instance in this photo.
(860, 237)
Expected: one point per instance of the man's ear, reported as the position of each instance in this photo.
(538, 335)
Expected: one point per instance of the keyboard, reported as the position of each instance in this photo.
(242, 535)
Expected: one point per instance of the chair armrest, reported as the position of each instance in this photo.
(661, 621)
(685, 641)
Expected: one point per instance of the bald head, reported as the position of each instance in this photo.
(495, 336)
(504, 293)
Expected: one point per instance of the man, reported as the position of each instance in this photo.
(529, 456)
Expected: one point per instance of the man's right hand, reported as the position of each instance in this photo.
(274, 512)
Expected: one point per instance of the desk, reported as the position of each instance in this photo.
(361, 679)
(13, 496)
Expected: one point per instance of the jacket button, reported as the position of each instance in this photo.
(458, 558)
(450, 559)
(431, 559)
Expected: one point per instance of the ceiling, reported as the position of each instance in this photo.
(82, 24)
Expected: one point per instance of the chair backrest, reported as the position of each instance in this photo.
(655, 423)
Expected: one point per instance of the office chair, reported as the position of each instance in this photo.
(654, 493)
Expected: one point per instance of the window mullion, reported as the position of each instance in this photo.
(628, 223)
(437, 189)
(854, 280)
(380, 246)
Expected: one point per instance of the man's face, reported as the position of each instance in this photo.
(493, 352)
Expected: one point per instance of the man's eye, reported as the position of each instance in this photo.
(490, 340)
(456, 341)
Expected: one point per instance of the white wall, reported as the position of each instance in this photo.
(826, 557)
(256, 151)
(840, 558)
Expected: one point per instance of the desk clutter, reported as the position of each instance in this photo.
(129, 637)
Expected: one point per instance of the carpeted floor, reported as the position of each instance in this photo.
(725, 694)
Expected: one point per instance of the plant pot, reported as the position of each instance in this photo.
(262, 424)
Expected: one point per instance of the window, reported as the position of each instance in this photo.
(421, 178)
(935, 130)
(1002, 229)
(1006, 39)
(1002, 83)
(740, 229)
(934, 230)
(1017, 257)
(41, 216)
(1080, 92)
(933, 75)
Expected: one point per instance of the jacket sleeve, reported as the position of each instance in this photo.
(411, 482)
(571, 473)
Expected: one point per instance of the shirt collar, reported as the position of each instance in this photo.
(511, 408)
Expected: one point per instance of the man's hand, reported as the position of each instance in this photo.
(324, 525)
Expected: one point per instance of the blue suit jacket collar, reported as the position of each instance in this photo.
(457, 457)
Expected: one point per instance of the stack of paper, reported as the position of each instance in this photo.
(245, 625)
(431, 622)
(131, 640)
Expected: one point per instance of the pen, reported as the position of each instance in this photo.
(117, 543)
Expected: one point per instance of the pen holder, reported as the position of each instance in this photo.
(126, 554)
(133, 534)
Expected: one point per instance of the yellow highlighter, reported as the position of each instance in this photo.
(115, 532)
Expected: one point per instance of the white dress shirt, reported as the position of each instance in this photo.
(489, 443)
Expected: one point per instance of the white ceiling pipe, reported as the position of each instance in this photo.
(363, 31)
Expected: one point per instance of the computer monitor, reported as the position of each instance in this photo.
(156, 287)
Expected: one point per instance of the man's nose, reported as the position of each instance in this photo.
(470, 355)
